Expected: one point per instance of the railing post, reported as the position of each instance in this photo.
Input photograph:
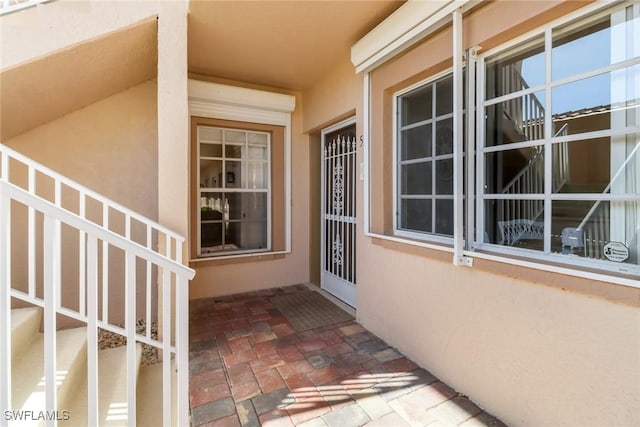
(51, 283)
(5, 302)
(166, 347)
(92, 330)
(130, 322)
(182, 350)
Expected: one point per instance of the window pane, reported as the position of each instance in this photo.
(235, 136)
(211, 206)
(586, 166)
(209, 134)
(583, 47)
(254, 206)
(210, 173)
(444, 96)
(520, 68)
(444, 217)
(210, 237)
(210, 150)
(258, 153)
(234, 207)
(519, 171)
(444, 137)
(257, 174)
(233, 174)
(416, 142)
(444, 176)
(588, 228)
(258, 139)
(605, 101)
(247, 235)
(416, 215)
(566, 218)
(515, 222)
(516, 120)
(233, 151)
(416, 106)
(416, 178)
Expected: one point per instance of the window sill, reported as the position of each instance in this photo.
(439, 246)
(546, 263)
(236, 258)
(614, 286)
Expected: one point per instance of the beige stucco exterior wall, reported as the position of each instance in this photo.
(222, 277)
(334, 98)
(53, 26)
(531, 347)
(528, 353)
(109, 147)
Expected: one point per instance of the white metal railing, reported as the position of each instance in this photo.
(530, 180)
(8, 6)
(595, 226)
(145, 251)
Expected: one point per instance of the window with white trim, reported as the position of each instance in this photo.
(560, 143)
(234, 190)
(424, 160)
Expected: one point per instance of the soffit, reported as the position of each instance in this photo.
(284, 44)
(50, 87)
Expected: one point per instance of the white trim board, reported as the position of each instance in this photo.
(409, 24)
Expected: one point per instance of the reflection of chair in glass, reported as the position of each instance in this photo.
(520, 229)
(572, 240)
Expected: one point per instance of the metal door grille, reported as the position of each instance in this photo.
(339, 207)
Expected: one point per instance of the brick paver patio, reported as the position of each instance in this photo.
(249, 367)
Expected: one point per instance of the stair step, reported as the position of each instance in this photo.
(150, 395)
(112, 390)
(28, 385)
(25, 324)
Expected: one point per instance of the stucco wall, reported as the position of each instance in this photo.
(109, 147)
(531, 347)
(528, 353)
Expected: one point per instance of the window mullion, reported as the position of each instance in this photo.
(458, 160)
(471, 136)
(434, 106)
(548, 161)
(480, 144)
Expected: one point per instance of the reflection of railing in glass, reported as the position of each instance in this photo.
(530, 180)
(595, 226)
(526, 112)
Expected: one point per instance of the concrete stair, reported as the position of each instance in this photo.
(28, 383)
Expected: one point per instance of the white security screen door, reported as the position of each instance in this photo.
(338, 252)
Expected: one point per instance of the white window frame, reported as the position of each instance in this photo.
(431, 236)
(395, 36)
(545, 256)
(244, 160)
(224, 102)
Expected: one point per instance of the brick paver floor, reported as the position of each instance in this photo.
(249, 367)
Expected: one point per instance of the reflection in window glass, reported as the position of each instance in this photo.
(520, 68)
(577, 50)
(417, 107)
(587, 170)
(424, 195)
(235, 216)
(416, 142)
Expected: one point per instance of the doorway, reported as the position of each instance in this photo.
(338, 211)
